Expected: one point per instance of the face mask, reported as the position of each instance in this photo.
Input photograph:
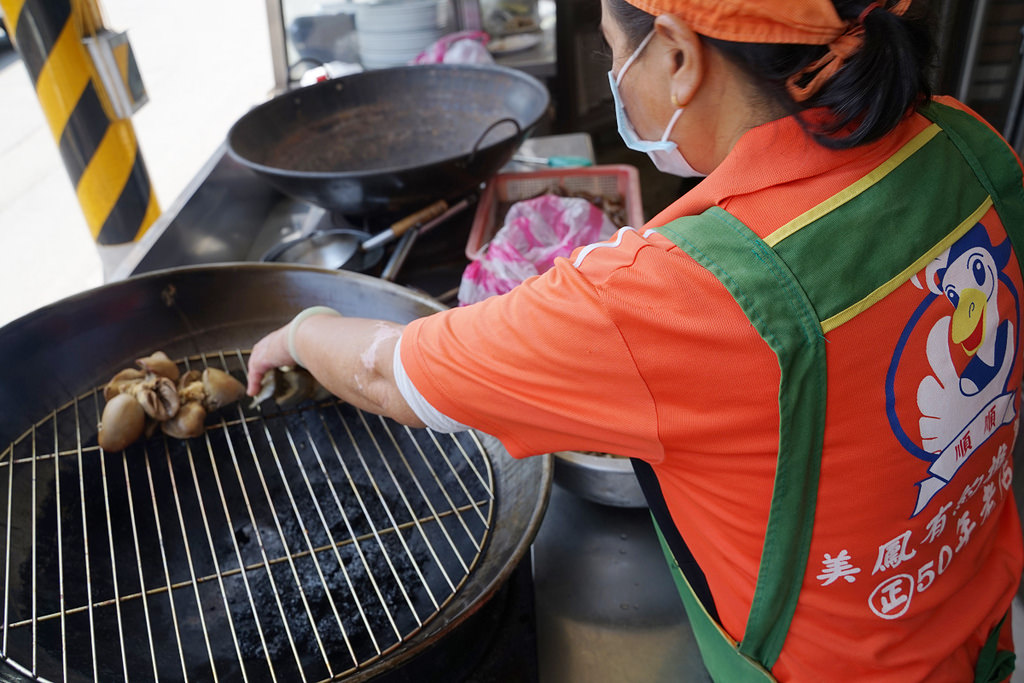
(664, 153)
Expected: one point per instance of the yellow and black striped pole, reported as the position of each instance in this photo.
(99, 149)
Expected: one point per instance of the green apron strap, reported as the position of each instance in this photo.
(994, 665)
(1000, 174)
(779, 310)
(721, 654)
(992, 162)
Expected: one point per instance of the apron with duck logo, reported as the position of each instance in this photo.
(795, 287)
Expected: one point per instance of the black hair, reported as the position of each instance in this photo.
(868, 97)
(634, 22)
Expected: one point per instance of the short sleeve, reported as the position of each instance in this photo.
(542, 368)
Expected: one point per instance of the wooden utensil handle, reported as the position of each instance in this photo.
(421, 216)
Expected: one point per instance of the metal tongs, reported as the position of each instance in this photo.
(410, 233)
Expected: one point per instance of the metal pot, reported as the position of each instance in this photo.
(57, 355)
(600, 479)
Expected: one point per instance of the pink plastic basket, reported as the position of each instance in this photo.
(506, 189)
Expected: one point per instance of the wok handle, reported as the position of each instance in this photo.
(476, 145)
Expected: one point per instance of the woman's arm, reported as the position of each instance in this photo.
(351, 357)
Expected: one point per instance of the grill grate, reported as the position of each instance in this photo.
(280, 545)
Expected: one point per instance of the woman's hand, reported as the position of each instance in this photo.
(269, 353)
(350, 357)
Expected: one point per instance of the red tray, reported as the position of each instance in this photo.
(507, 188)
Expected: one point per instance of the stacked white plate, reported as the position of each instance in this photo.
(392, 32)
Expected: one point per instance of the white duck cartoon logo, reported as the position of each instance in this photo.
(961, 408)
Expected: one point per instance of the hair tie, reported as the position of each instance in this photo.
(839, 50)
(866, 11)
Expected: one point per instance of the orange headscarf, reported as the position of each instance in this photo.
(809, 22)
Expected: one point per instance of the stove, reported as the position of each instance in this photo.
(594, 601)
(227, 214)
(497, 644)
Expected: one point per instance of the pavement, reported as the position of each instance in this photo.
(204, 64)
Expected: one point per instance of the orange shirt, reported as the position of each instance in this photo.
(632, 348)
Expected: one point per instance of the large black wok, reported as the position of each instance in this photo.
(55, 354)
(393, 139)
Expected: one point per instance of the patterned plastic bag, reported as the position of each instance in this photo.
(535, 232)
(464, 47)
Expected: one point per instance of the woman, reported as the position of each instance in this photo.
(812, 355)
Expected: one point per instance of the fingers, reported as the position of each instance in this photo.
(934, 435)
(268, 353)
(931, 399)
(938, 354)
(256, 373)
(257, 368)
(1004, 370)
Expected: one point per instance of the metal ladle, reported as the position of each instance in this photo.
(348, 249)
(331, 249)
(357, 250)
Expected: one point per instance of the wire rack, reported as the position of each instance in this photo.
(280, 545)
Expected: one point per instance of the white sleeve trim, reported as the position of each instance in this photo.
(427, 413)
(597, 245)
